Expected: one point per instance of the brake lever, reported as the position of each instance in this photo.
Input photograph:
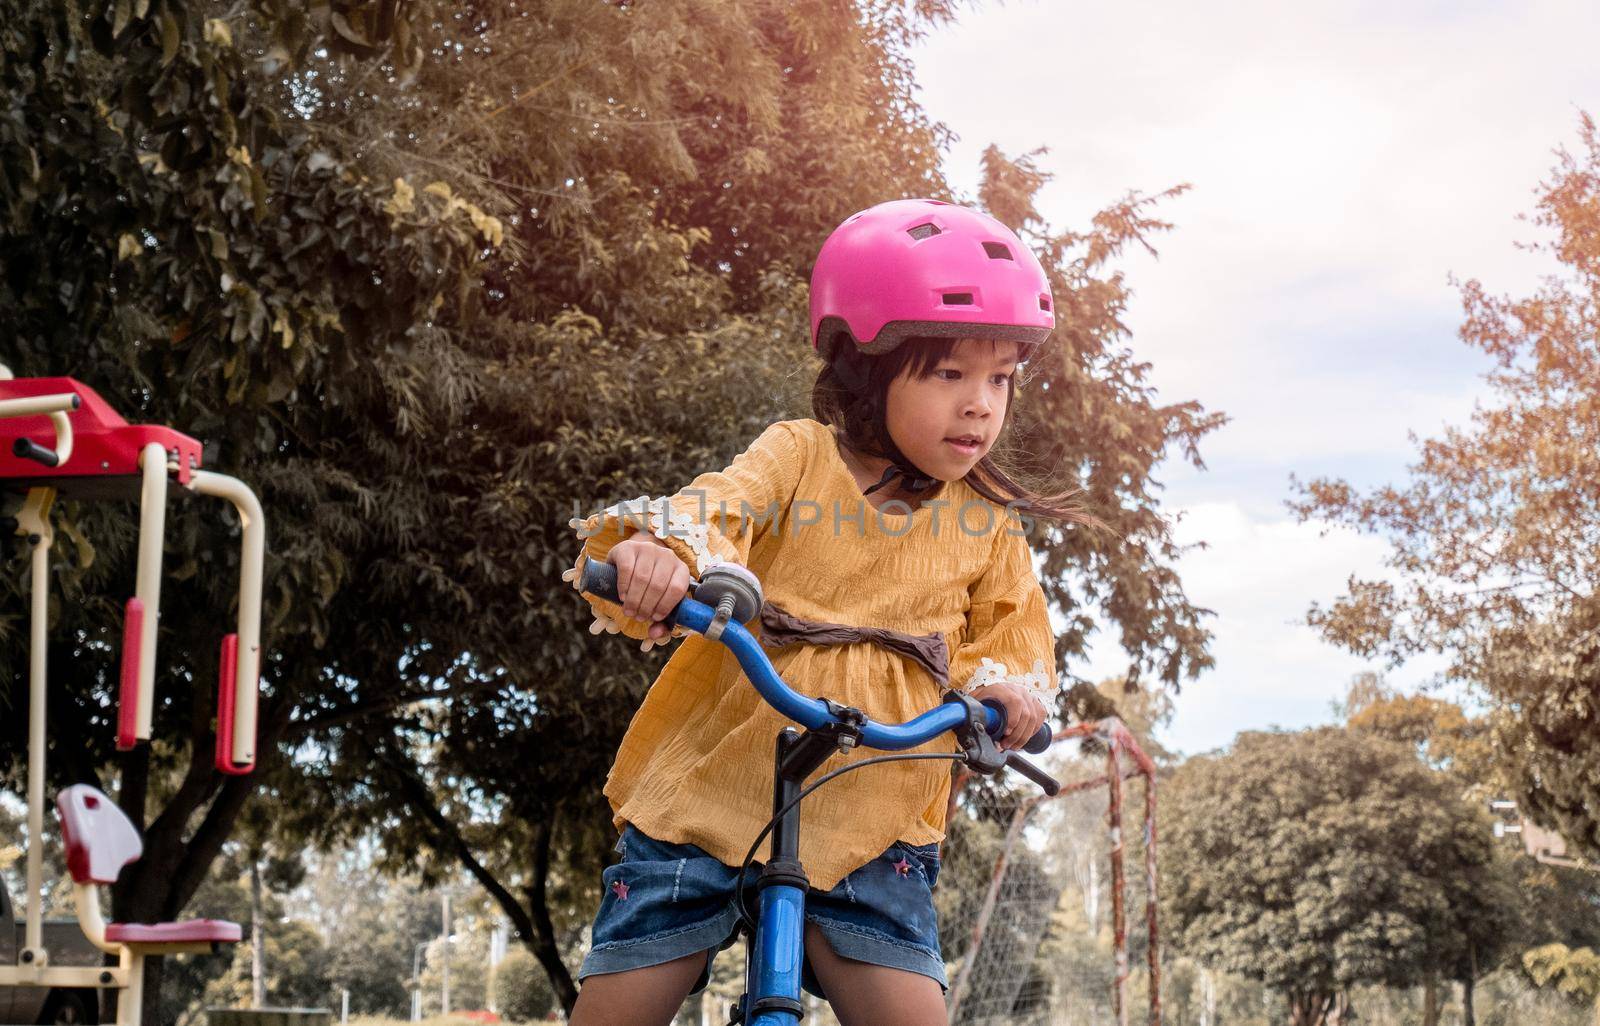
(1048, 784)
(986, 757)
(982, 754)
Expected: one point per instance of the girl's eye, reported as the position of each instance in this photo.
(945, 370)
(1001, 379)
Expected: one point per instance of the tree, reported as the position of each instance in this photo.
(400, 283)
(1502, 906)
(296, 957)
(1315, 861)
(175, 232)
(468, 959)
(1575, 975)
(336, 374)
(1492, 540)
(522, 988)
(1090, 412)
(373, 923)
(1488, 922)
(1444, 737)
(505, 785)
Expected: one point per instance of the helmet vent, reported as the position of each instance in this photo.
(997, 251)
(1044, 303)
(923, 231)
(958, 299)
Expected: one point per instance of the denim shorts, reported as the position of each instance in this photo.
(664, 901)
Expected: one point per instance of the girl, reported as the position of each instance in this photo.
(890, 548)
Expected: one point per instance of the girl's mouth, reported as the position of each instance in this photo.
(965, 447)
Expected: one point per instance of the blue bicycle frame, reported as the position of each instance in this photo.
(773, 977)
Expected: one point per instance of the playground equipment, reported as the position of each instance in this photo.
(995, 968)
(65, 440)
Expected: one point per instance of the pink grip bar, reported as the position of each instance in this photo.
(128, 696)
(227, 696)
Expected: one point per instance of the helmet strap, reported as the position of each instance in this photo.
(854, 372)
(912, 479)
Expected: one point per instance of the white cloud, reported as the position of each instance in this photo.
(1304, 424)
(1260, 576)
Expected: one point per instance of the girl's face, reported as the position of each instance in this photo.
(961, 400)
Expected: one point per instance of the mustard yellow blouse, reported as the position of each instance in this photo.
(695, 765)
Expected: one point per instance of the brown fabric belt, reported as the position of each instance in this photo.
(779, 628)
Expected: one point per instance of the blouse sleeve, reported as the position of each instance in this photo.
(1008, 636)
(716, 518)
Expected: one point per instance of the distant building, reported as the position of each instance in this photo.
(1546, 846)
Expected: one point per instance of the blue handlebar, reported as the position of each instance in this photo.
(600, 579)
(810, 712)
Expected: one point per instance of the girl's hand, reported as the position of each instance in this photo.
(1025, 714)
(651, 580)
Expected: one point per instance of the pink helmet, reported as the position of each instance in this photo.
(926, 267)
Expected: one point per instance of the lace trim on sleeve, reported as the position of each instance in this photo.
(660, 519)
(1037, 681)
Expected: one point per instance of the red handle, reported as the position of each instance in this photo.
(227, 696)
(128, 696)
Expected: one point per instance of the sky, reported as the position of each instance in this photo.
(1346, 159)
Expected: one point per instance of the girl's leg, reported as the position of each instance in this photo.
(863, 994)
(639, 997)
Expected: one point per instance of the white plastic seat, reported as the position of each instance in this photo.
(101, 840)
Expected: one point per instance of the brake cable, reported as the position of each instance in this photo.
(744, 910)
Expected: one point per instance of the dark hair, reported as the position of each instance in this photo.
(861, 416)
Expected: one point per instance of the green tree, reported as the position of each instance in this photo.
(14, 850)
(177, 233)
(1502, 906)
(1488, 923)
(373, 923)
(1444, 736)
(397, 265)
(1316, 861)
(505, 785)
(296, 956)
(1492, 538)
(468, 957)
(1090, 415)
(521, 987)
(298, 971)
(1575, 975)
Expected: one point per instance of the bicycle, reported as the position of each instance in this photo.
(726, 597)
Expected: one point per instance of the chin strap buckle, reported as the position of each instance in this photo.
(910, 482)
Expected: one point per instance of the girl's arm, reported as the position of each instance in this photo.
(1007, 651)
(716, 518)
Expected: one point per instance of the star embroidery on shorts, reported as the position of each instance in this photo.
(620, 889)
(902, 867)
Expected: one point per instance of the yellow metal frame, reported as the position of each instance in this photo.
(147, 579)
(252, 556)
(33, 521)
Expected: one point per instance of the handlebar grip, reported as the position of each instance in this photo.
(1037, 743)
(600, 580)
(1046, 782)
